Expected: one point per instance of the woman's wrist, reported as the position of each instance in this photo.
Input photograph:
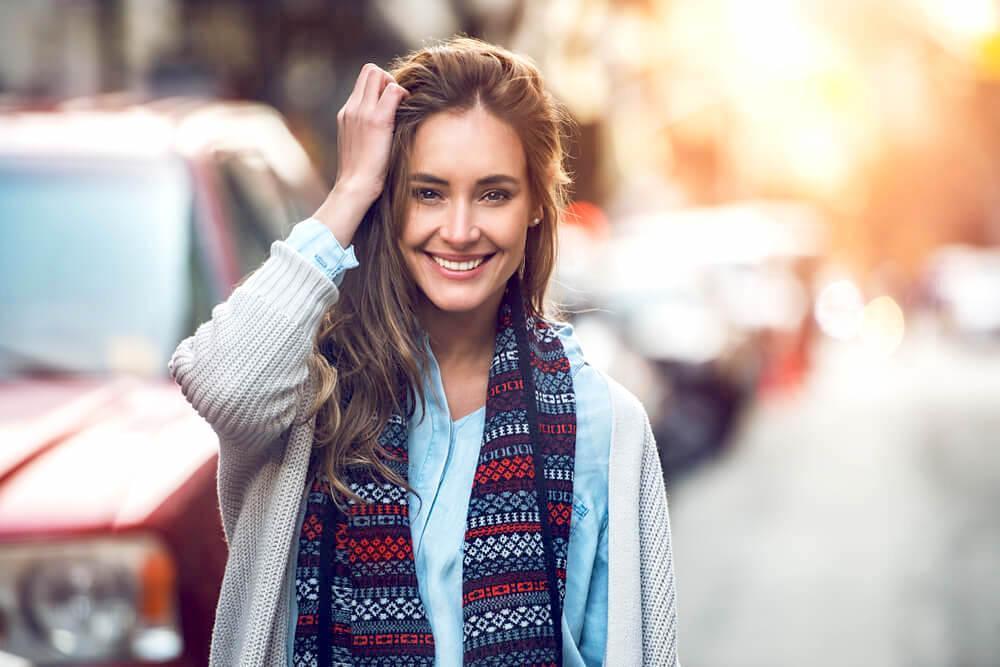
(342, 212)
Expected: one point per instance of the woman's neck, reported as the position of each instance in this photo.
(463, 340)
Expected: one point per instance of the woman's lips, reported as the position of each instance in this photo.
(459, 275)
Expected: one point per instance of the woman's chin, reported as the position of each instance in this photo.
(458, 298)
(450, 303)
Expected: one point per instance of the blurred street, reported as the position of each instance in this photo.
(853, 524)
(782, 235)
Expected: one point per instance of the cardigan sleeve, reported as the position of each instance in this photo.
(659, 595)
(245, 369)
(642, 614)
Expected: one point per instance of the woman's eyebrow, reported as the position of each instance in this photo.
(493, 179)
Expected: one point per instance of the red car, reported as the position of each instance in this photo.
(122, 226)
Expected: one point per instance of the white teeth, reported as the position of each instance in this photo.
(459, 266)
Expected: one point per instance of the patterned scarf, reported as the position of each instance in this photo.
(359, 603)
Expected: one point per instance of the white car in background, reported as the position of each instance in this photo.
(691, 308)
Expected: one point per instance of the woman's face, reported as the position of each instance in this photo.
(468, 207)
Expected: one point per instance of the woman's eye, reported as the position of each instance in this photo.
(420, 192)
(503, 195)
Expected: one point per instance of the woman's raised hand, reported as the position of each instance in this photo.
(364, 138)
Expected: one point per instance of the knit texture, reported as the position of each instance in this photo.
(245, 372)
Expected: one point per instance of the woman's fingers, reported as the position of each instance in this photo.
(369, 97)
(393, 94)
(377, 81)
(359, 85)
(355, 102)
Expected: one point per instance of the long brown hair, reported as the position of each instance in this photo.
(368, 345)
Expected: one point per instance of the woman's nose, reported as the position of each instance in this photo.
(460, 227)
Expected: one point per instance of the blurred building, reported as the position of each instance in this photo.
(852, 106)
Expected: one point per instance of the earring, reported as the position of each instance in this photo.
(535, 221)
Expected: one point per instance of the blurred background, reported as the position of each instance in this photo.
(784, 237)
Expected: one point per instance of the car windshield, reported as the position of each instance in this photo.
(94, 268)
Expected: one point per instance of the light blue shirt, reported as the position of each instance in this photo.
(443, 454)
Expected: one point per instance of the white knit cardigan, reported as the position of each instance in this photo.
(245, 372)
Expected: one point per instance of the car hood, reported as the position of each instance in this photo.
(82, 455)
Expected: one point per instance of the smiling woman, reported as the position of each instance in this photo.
(473, 168)
(418, 465)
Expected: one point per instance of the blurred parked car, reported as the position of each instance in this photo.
(697, 307)
(123, 225)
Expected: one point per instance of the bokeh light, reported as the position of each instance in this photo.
(839, 310)
(883, 326)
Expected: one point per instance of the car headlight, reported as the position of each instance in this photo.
(84, 608)
(89, 601)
